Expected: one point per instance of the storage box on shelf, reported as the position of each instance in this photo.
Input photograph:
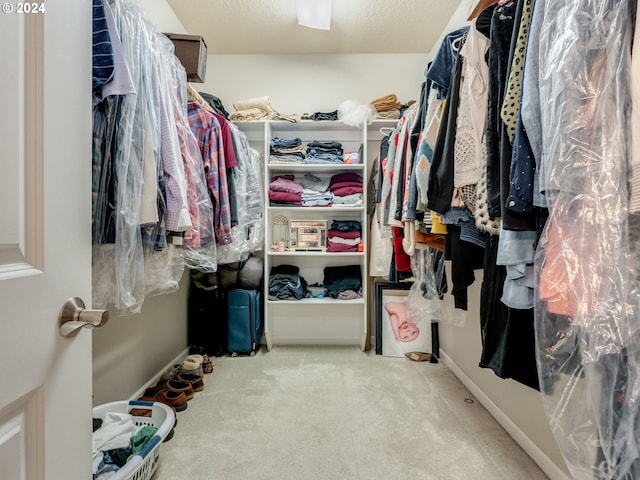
(317, 319)
(191, 50)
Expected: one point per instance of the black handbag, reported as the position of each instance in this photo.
(251, 273)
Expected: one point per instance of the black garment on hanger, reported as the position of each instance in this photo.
(465, 258)
(502, 23)
(508, 340)
(418, 126)
(440, 184)
(483, 21)
(511, 220)
(384, 153)
(215, 103)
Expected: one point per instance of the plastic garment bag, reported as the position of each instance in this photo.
(129, 251)
(381, 248)
(248, 234)
(249, 189)
(199, 245)
(424, 302)
(586, 312)
(122, 253)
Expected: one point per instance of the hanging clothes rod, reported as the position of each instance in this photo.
(480, 6)
(198, 98)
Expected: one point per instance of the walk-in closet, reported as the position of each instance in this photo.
(319, 239)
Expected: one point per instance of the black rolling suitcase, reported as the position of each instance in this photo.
(207, 316)
(244, 313)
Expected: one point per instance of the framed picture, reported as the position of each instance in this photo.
(396, 334)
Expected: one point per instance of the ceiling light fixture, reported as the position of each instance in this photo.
(314, 13)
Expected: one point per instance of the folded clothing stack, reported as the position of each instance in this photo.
(324, 153)
(285, 283)
(344, 236)
(286, 151)
(346, 189)
(343, 282)
(387, 106)
(259, 108)
(284, 191)
(317, 116)
(315, 191)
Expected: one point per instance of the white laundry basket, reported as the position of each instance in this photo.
(142, 465)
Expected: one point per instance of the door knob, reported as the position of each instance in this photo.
(73, 316)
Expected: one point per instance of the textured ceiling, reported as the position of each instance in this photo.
(357, 26)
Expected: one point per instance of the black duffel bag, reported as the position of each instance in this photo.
(245, 274)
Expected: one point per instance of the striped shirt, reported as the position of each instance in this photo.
(102, 56)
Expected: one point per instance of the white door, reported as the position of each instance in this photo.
(45, 238)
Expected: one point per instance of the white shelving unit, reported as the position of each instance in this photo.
(313, 321)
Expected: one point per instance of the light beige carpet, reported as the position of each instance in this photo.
(325, 413)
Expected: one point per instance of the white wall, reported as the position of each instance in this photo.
(162, 15)
(313, 83)
(130, 350)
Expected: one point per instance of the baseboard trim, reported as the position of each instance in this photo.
(153, 380)
(537, 455)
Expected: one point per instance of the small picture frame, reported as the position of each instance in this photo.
(309, 235)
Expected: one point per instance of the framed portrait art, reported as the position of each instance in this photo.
(396, 333)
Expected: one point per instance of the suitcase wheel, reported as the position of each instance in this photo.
(252, 354)
(234, 354)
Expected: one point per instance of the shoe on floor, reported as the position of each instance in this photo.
(180, 386)
(177, 400)
(207, 364)
(192, 362)
(418, 356)
(171, 384)
(197, 349)
(196, 381)
(172, 372)
(193, 365)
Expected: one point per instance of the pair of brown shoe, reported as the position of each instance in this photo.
(196, 381)
(172, 392)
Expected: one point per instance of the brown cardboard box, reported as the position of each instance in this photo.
(192, 53)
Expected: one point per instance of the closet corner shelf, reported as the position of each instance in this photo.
(316, 209)
(318, 301)
(287, 319)
(250, 125)
(312, 125)
(315, 253)
(315, 168)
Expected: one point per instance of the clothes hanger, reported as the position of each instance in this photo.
(480, 6)
(386, 130)
(198, 98)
